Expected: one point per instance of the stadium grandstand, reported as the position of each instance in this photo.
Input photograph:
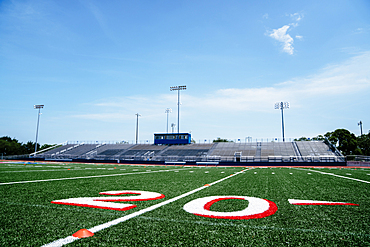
(219, 153)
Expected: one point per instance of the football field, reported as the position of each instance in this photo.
(45, 204)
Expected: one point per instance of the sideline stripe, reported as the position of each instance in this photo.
(335, 175)
(97, 176)
(60, 170)
(70, 239)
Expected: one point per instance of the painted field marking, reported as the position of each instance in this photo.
(42, 171)
(70, 239)
(97, 176)
(313, 202)
(339, 176)
(107, 202)
(257, 208)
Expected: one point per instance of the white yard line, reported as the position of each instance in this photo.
(70, 239)
(97, 176)
(60, 170)
(335, 175)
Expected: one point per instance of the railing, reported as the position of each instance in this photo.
(358, 160)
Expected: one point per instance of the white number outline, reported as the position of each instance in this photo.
(257, 208)
(108, 202)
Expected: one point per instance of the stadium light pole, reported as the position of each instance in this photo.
(168, 110)
(282, 106)
(360, 124)
(38, 121)
(178, 89)
(137, 126)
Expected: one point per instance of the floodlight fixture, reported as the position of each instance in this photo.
(360, 124)
(137, 126)
(178, 89)
(168, 110)
(39, 107)
(281, 106)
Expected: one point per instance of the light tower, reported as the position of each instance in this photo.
(137, 125)
(168, 110)
(360, 124)
(38, 120)
(178, 89)
(282, 106)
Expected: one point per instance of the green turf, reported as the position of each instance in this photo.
(29, 219)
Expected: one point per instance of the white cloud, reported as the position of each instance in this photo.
(282, 36)
(346, 78)
(234, 112)
(265, 16)
(296, 16)
(349, 77)
(299, 37)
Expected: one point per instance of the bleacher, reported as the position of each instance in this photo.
(112, 150)
(314, 148)
(187, 150)
(228, 149)
(142, 152)
(255, 152)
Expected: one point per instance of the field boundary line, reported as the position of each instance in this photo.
(70, 239)
(60, 170)
(335, 175)
(95, 176)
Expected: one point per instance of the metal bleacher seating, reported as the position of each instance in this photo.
(146, 151)
(226, 149)
(314, 148)
(188, 150)
(301, 151)
(58, 149)
(109, 150)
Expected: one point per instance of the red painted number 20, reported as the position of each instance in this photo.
(257, 207)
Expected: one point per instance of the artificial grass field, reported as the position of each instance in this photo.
(28, 218)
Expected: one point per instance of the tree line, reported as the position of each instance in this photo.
(345, 141)
(11, 146)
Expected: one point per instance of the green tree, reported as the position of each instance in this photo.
(29, 147)
(221, 140)
(345, 141)
(318, 138)
(364, 144)
(301, 139)
(9, 146)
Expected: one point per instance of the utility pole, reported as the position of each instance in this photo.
(178, 89)
(168, 110)
(360, 124)
(38, 120)
(137, 126)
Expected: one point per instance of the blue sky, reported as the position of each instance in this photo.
(95, 64)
